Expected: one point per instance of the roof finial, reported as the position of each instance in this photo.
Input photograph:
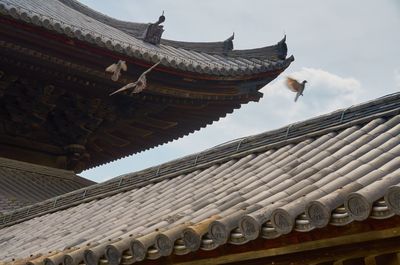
(154, 31)
(282, 48)
(228, 44)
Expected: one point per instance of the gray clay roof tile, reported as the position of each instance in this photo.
(332, 169)
(23, 183)
(78, 21)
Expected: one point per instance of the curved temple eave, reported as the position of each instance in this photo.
(138, 30)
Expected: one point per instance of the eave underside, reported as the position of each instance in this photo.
(55, 102)
(47, 117)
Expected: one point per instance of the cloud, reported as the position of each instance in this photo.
(324, 92)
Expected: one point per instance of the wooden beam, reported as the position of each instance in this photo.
(29, 155)
(388, 259)
(112, 139)
(134, 131)
(370, 260)
(374, 252)
(18, 142)
(156, 123)
(331, 244)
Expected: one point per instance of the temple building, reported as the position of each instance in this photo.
(325, 191)
(55, 104)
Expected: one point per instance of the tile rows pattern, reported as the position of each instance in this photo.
(138, 30)
(24, 183)
(56, 16)
(340, 119)
(335, 177)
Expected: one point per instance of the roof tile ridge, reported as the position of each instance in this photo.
(141, 27)
(249, 145)
(279, 50)
(43, 170)
(136, 47)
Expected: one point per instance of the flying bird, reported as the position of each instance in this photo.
(295, 86)
(137, 86)
(116, 68)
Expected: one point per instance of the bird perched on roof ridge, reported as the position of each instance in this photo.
(295, 86)
(116, 68)
(140, 83)
(161, 19)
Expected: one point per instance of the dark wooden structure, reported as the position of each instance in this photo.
(372, 242)
(55, 106)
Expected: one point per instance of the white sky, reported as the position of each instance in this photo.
(347, 50)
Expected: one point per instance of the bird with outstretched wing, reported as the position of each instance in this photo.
(139, 85)
(116, 68)
(296, 87)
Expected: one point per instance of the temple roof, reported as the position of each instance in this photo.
(330, 170)
(22, 184)
(54, 92)
(78, 21)
(138, 30)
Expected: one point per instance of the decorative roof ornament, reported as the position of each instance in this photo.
(282, 48)
(154, 31)
(228, 44)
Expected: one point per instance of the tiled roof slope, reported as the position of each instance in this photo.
(79, 22)
(23, 183)
(332, 169)
(138, 30)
